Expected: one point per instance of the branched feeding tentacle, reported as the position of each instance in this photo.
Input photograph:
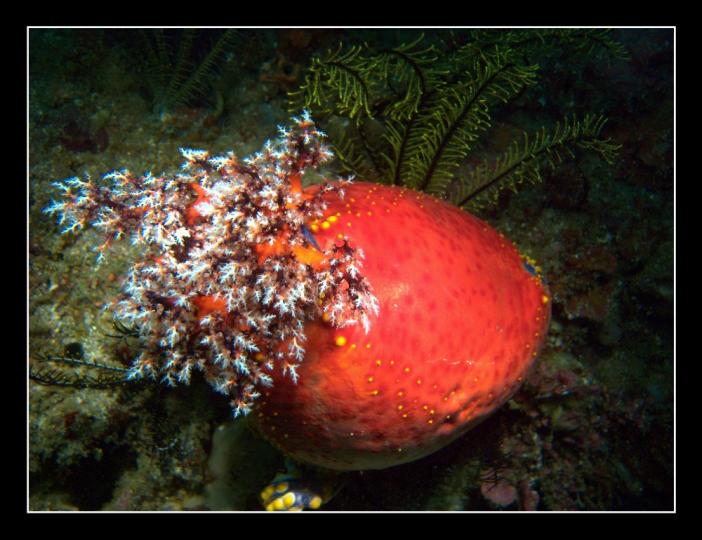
(230, 272)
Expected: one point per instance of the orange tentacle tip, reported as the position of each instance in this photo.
(295, 183)
(191, 213)
(310, 256)
(296, 187)
(279, 247)
(209, 304)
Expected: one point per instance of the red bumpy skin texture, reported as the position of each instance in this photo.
(461, 321)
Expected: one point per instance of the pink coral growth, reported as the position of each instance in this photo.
(230, 272)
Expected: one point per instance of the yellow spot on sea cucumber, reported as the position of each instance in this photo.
(289, 499)
(332, 219)
(378, 362)
(353, 345)
(340, 341)
(544, 299)
(407, 370)
(326, 225)
(368, 345)
(315, 502)
(314, 227)
(370, 379)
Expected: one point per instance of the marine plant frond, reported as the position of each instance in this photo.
(339, 79)
(429, 103)
(124, 331)
(196, 82)
(56, 370)
(157, 63)
(599, 43)
(594, 43)
(182, 66)
(444, 133)
(397, 136)
(525, 159)
(409, 71)
(359, 83)
(350, 156)
(175, 71)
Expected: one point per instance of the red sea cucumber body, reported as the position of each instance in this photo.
(461, 321)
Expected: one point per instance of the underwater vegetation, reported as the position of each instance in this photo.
(180, 66)
(415, 111)
(539, 436)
